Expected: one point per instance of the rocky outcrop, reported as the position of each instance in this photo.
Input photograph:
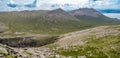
(31, 41)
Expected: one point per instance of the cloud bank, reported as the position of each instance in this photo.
(17, 5)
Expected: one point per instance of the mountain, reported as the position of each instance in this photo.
(86, 12)
(55, 21)
(60, 14)
(93, 16)
(42, 21)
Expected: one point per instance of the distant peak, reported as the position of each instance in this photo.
(59, 9)
(86, 12)
(87, 9)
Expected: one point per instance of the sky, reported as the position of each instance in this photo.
(113, 15)
(18, 5)
(107, 6)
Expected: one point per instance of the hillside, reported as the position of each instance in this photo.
(98, 42)
(53, 22)
(75, 38)
(44, 22)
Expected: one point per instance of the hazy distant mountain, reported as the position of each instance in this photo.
(86, 12)
(93, 16)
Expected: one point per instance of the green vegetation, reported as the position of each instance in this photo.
(36, 22)
(104, 47)
(39, 24)
(9, 55)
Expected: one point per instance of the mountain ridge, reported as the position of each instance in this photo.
(86, 12)
(92, 16)
(55, 21)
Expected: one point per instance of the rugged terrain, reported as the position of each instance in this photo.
(82, 33)
(98, 42)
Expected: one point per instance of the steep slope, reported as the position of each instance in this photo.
(59, 13)
(92, 16)
(86, 12)
(42, 21)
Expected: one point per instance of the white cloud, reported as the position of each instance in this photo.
(21, 2)
(46, 4)
(72, 4)
(106, 4)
